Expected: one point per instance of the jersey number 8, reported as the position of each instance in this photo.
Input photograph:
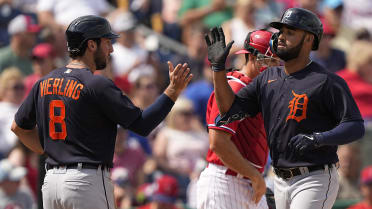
(57, 119)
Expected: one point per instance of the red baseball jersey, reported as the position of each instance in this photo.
(248, 134)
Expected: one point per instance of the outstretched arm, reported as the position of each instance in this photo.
(221, 144)
(153, 115)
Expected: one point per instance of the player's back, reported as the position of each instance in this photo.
(73, 118)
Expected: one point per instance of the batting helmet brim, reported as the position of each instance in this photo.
(111, 35)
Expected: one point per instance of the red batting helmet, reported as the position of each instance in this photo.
(257, 41)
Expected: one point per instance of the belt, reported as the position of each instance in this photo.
(287, 173)
(233, 173)
(77, 166)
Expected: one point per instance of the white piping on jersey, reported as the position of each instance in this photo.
(257, 166)
(232, 78)
(225, 127)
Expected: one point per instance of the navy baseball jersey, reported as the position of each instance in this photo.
(77, 114)
(307, 101)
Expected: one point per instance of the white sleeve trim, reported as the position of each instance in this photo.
(225, 127)
(232, 78)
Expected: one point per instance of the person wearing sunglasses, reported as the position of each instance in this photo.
(11, 95)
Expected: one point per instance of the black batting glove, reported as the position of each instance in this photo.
(217, 49)
(301, 143)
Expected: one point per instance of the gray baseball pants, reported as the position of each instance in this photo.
(315, 190)
(78, 189)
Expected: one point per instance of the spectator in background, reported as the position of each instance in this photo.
(366, 189)
(23, 32)
(330, 58)
(129, 60)
(211, 12)
(123, 190)
(180, 143)
(241, 24)
(358, 76)
(129, 155)
(145, 91)
(59, 14)
(350, 164)
(12, 91)
(169, 17)
(357, 14)
(21, 156)
(42, 63)
(7, 13)
(196, 50)
(12, 195)
(267, 11)
(164, 194)
(56, 15)
(199, 91)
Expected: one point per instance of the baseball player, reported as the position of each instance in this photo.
(75, 114)
(238, 151)
(307, 111)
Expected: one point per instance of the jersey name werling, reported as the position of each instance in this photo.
(57, 86)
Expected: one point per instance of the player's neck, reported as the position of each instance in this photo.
(81, 63)
(295, 65)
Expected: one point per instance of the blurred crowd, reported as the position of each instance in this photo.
(161, 170)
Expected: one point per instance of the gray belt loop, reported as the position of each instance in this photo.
(79, 166)
(45, 167)
(304, 170)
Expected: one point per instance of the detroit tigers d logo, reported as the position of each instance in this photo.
(298, 107)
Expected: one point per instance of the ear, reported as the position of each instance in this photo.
(92, 45)
(310, 37)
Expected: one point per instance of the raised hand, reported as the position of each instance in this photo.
(217, 49)
(179, 77)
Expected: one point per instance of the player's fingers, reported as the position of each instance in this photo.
(188, 78)
(207, 40)
(213, 34)
(218, 37)
(221, 34)
(176, 71)
(170, 66)
(228, 47)
(185, 71)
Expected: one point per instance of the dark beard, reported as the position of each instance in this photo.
(289, 54)
(99, 59)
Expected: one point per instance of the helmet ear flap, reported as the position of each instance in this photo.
(274, 42)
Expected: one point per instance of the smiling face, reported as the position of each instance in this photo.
(291, 43)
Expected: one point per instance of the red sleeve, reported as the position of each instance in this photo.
(212, 110)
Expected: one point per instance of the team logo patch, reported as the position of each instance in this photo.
(298, 107)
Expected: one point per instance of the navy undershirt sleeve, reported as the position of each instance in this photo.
(344, 133)
(152, 116)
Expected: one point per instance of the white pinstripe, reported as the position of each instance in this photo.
(216, 190)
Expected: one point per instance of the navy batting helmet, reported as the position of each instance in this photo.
(85, 28)
(302, 19)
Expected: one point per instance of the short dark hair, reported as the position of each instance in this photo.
(81, 50)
